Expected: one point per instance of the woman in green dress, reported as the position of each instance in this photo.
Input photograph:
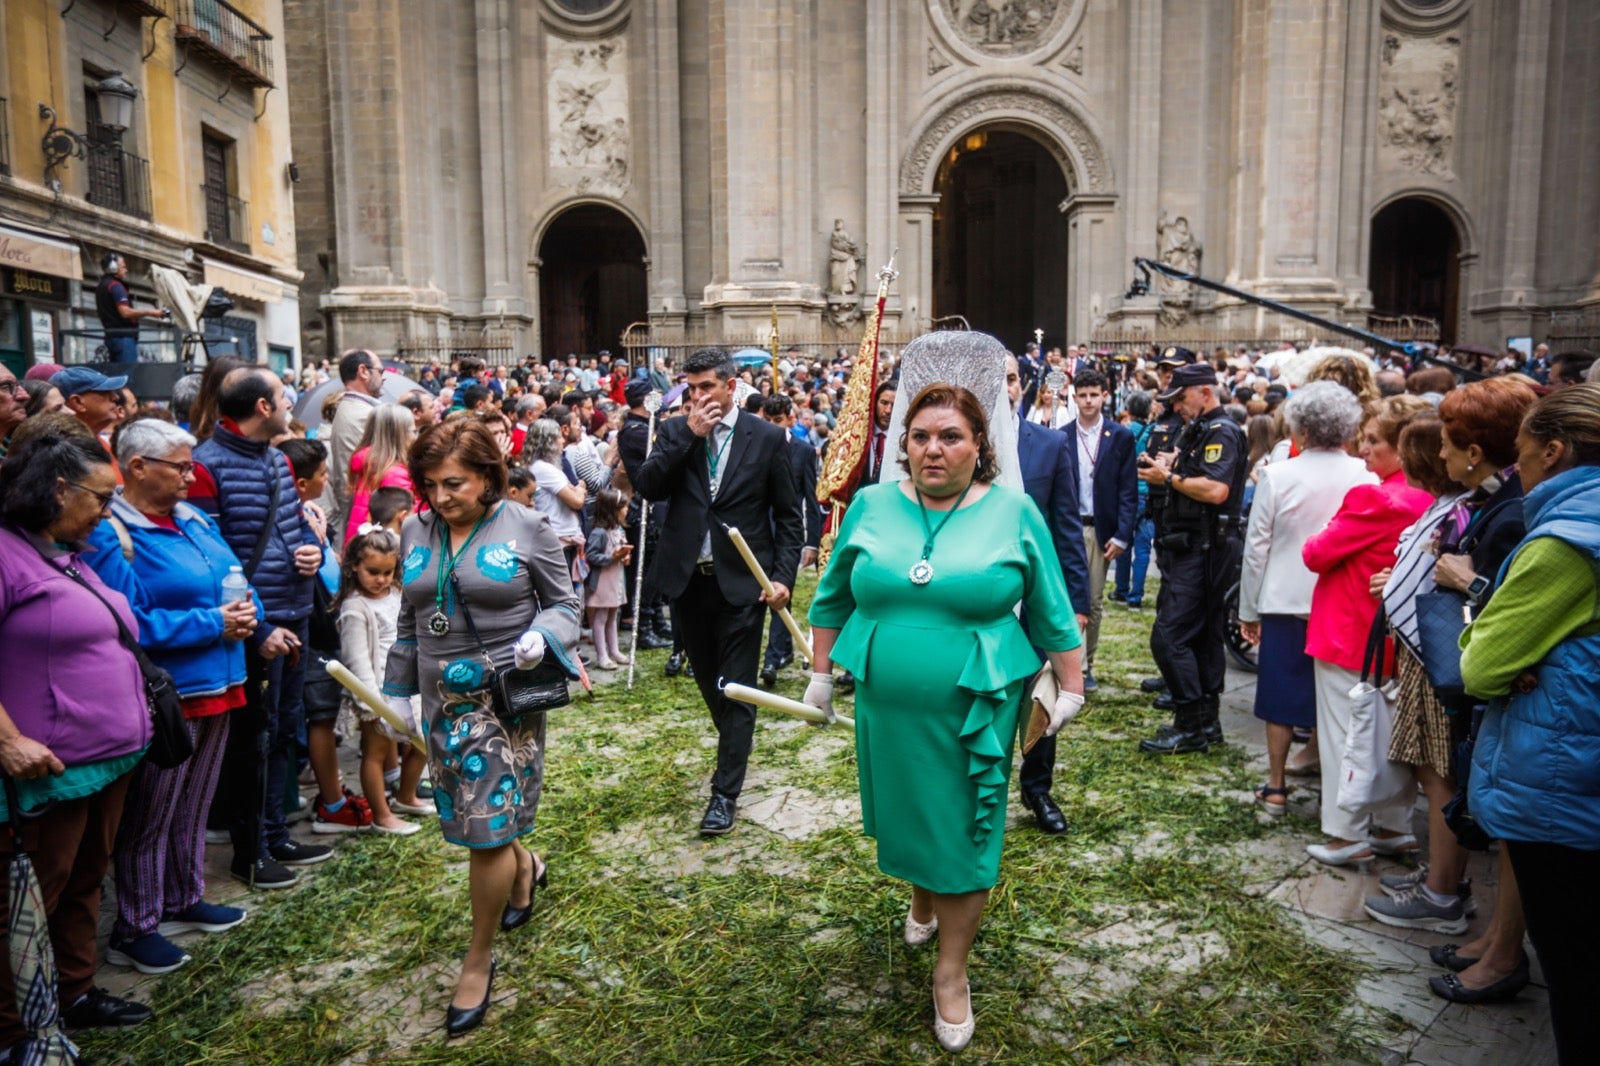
(919, 603)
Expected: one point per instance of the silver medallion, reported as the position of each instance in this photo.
(1056, 380)
(921, 572)
(438, 624)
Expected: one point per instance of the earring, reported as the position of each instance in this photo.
(1471, 467)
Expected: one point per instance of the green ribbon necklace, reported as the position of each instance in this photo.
(922, 569)
(439, 621)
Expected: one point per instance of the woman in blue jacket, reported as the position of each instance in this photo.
(169, 560)
(1535, 651)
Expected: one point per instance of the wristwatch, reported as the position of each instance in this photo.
(1477, 589)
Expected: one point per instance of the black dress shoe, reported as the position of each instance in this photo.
(1152, 684)
(517, 917)
(675, 664)
(458, 1021)
(1164, 702)
(688, 670)
(650, 640)
(719, 815)
(1171, 741)
(846, 683)
(99, 1009)
(1449, 986)
(769, 677)
(1046, 813)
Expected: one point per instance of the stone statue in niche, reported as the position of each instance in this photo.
(1003, 27)
(1176, 246)
(1417, 104)
(587, 117)
(844, 262)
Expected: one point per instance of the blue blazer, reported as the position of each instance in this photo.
(1050, 477)
(1116, 481)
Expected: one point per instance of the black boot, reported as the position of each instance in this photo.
(1213, 726)
(1153, 684)
(1187, 733)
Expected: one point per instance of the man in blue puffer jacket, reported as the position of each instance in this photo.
(248, 487)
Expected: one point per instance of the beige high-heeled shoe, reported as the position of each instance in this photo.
(953, 1036)
(919, 933)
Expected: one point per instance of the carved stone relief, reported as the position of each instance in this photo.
(1003, 27)
(937, 60)
(1417, 103)
(1073, 60)
(1179, 248)
(587, 114)
(1091, 172)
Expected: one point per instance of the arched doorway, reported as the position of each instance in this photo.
(1000, 239)
(1416, 263)
(592, 282)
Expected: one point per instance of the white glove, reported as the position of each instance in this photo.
(529, 650)
(400, 707)
(1068, 704)
(819, 694)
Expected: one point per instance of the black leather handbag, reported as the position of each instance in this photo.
(518, 693)
(170, 743)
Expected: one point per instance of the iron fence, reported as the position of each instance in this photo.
(494, 351)
(222, 33)
(119, 180)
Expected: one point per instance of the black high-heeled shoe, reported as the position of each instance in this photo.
(516, 917)
(458, 1021)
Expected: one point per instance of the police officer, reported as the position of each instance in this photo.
(1198, 548)
(1163, 438)
(632, 438)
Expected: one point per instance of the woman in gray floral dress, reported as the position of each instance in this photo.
(507, 566)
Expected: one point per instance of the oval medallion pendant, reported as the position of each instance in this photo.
(921, 572)
(438, 624)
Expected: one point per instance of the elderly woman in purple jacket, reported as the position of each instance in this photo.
(73, 720)
(169, 559)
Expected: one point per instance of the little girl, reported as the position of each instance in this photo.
(369, 611)
(607, 551)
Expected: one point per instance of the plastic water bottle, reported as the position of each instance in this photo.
(234, 586)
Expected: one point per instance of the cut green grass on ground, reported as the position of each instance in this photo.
(1136, 938)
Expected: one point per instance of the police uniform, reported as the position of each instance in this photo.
(1163, 438)
(1198, 548)
(632, 439)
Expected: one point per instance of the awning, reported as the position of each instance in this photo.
(245, 284)
(56, 255)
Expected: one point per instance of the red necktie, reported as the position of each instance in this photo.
(877, 453)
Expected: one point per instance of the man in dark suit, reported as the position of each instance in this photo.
(779, 410)
(1050, 477)
(1108, 496)
(721, 467)
(878, 444)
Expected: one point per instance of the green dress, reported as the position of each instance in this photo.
(940, 671)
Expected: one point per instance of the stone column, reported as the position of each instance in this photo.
(667, 303)
(915, 287)
(502, 213)
(1092, 261)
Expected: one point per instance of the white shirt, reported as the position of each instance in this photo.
(720, 442)
(551, 479)
(1089, 445)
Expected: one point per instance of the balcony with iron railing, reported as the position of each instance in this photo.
(119, 180)
(155, 9)
(227, 219)
(221, 33)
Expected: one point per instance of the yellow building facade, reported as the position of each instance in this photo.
(197, 175)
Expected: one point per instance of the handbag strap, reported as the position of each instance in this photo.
(1377, 641)
(466, 614)
(266, 527)
(126, 637)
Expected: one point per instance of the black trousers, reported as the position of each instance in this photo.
(1188, 638)
(1555, 882)
(724, 646)
(780, 645)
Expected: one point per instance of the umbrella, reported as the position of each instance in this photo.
(33, 964)
(1295, 367)
(308, 408)
(752, 357)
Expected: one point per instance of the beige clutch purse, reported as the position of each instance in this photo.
(1041, 703)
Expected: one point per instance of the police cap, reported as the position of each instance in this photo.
(1185, 376)
(1175, 355)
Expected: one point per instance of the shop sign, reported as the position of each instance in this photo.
(31, 286)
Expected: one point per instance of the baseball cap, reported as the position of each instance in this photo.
(79, 379)
(1186, 376)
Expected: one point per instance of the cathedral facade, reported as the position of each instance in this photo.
(552, 172)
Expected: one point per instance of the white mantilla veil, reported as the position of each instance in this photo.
(976, 362)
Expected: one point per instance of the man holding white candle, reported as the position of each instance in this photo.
(720, 467)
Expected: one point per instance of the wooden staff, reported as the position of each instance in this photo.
(802, 643)
(652, 403)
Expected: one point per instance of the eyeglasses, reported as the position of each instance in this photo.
(13, 386)
(184, 469)
(105, 498)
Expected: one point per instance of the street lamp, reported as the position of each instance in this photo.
(116, 95)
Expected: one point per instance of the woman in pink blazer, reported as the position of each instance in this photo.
(1358, 542)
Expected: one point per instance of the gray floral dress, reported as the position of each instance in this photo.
(487, 772)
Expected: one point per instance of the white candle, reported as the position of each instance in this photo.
(774, 702)
(802, 643)
(378, 705)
